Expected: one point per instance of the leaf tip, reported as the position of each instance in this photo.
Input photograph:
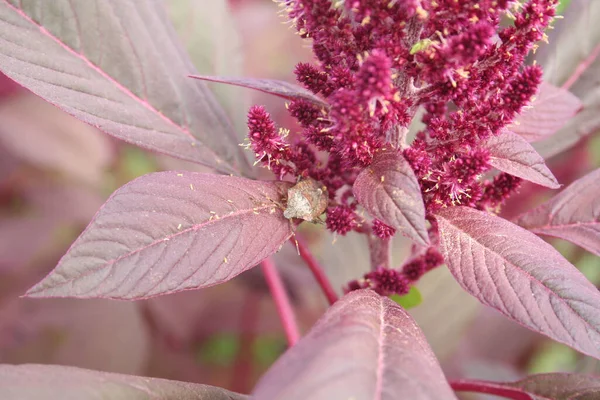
(555, 185)
(34, 292)
(43, 289)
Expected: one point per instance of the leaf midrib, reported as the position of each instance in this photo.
(194, 227)
(532, 278)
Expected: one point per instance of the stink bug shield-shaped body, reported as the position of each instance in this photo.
(306, 200)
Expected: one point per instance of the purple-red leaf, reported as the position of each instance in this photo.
(167, 232)
(365, 347)
(557, 386)
(388, 189)
(514, 271)
(48, 382)
(512, 154)
(117, 65)
(283, 89)
(550, 111)
(573, 215)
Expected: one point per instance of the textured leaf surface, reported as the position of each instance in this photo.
(550, 111)
(117, 65)
(365, 347)
(556, 386)
(48, 382)
(167, 232)
(573, 59)
(514, 271)
(573, 215)
(560, 386)
(389, 191)
(511, 153)
(278, 88)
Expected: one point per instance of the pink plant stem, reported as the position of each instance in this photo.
(282, 301)
(380, 252)
(582, 67)
(489, 388)
(317, 271)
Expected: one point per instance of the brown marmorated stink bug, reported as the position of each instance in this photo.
(307, 200)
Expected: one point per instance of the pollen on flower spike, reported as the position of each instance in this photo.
(382, 230)
(387, 281)
(341, 219)
(265, 140)
(306, 200)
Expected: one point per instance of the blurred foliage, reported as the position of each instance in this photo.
(219, 350)
(562, 5)
(553, 357)
(410, 300)
(266, 349)
(223, 349)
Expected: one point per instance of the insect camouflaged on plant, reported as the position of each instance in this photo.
(307, 200)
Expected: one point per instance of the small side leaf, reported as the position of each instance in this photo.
(283, 89)
(573, 215)
(514, 271)
(48, 382)
(167, 232)
(512, 154)
(550, 111)
(389, 191)
(555, 386)
(365, 347)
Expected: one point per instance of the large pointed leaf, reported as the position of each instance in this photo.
(49, 382)
(555, 386)
(572, 61)
(573, 215)
(167, 232)
(278, 88)
(512, 154)
(389, 191)
(514, 271)
(117, 65)
(550, 111)
(365, 347)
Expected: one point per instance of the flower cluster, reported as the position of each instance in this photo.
(382, 230)
(377, 63)
(386, 281)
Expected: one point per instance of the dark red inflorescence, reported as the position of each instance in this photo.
(377, 63)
